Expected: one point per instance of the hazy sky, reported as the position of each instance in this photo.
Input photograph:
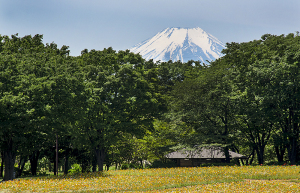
(98, 24)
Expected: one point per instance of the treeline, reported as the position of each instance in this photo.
(107, 107)
(94, 106)
(247, 101)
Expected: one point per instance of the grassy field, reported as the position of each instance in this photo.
(201, 179)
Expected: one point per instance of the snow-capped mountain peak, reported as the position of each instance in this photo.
(180, 44)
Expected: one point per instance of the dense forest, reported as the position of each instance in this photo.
(109, 108)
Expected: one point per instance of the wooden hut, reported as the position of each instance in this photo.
(193, 158)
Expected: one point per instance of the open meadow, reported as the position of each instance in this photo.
(200, 179)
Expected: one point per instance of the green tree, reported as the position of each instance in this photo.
(265, 73)
(29, 70)
(120, 99)
(203, 102)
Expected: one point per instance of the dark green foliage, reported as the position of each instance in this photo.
(126, 166)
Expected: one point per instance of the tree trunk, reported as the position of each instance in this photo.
(237, 151)
(34, 162)
(56, 155)
(260, 154)
(100, 155)
(54, 169)
(279, 153)
(142, 166)
(2, 163)
(292, 151)
(21, 166)
(50, 166)
(94, 164)
(9, 162)
(292, 129)
(107, 166)
(251, 157)
(83, 167)
(226, 131)
(66, 165)
(227, 156)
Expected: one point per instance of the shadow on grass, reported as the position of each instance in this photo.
(78, 175)
(63, 176)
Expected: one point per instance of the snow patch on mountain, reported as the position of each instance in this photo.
(180, 44)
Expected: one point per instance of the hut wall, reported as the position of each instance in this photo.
(194, 162)
(186, 162)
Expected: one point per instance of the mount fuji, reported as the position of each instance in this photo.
(180, 44)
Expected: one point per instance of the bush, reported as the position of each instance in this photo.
(125, 166)
(43, 174)
(76, 168)
(130, 166)
(134, 166)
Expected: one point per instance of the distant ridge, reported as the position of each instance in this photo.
(180, 44)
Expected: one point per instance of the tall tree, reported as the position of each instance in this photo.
(26, 67)
(120, 99)
(203, 101)
(266, 74)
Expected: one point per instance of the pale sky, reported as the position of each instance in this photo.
(121, 24)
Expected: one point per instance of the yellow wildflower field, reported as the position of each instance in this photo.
(200, 179)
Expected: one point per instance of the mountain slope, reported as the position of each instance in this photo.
(180, 44)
